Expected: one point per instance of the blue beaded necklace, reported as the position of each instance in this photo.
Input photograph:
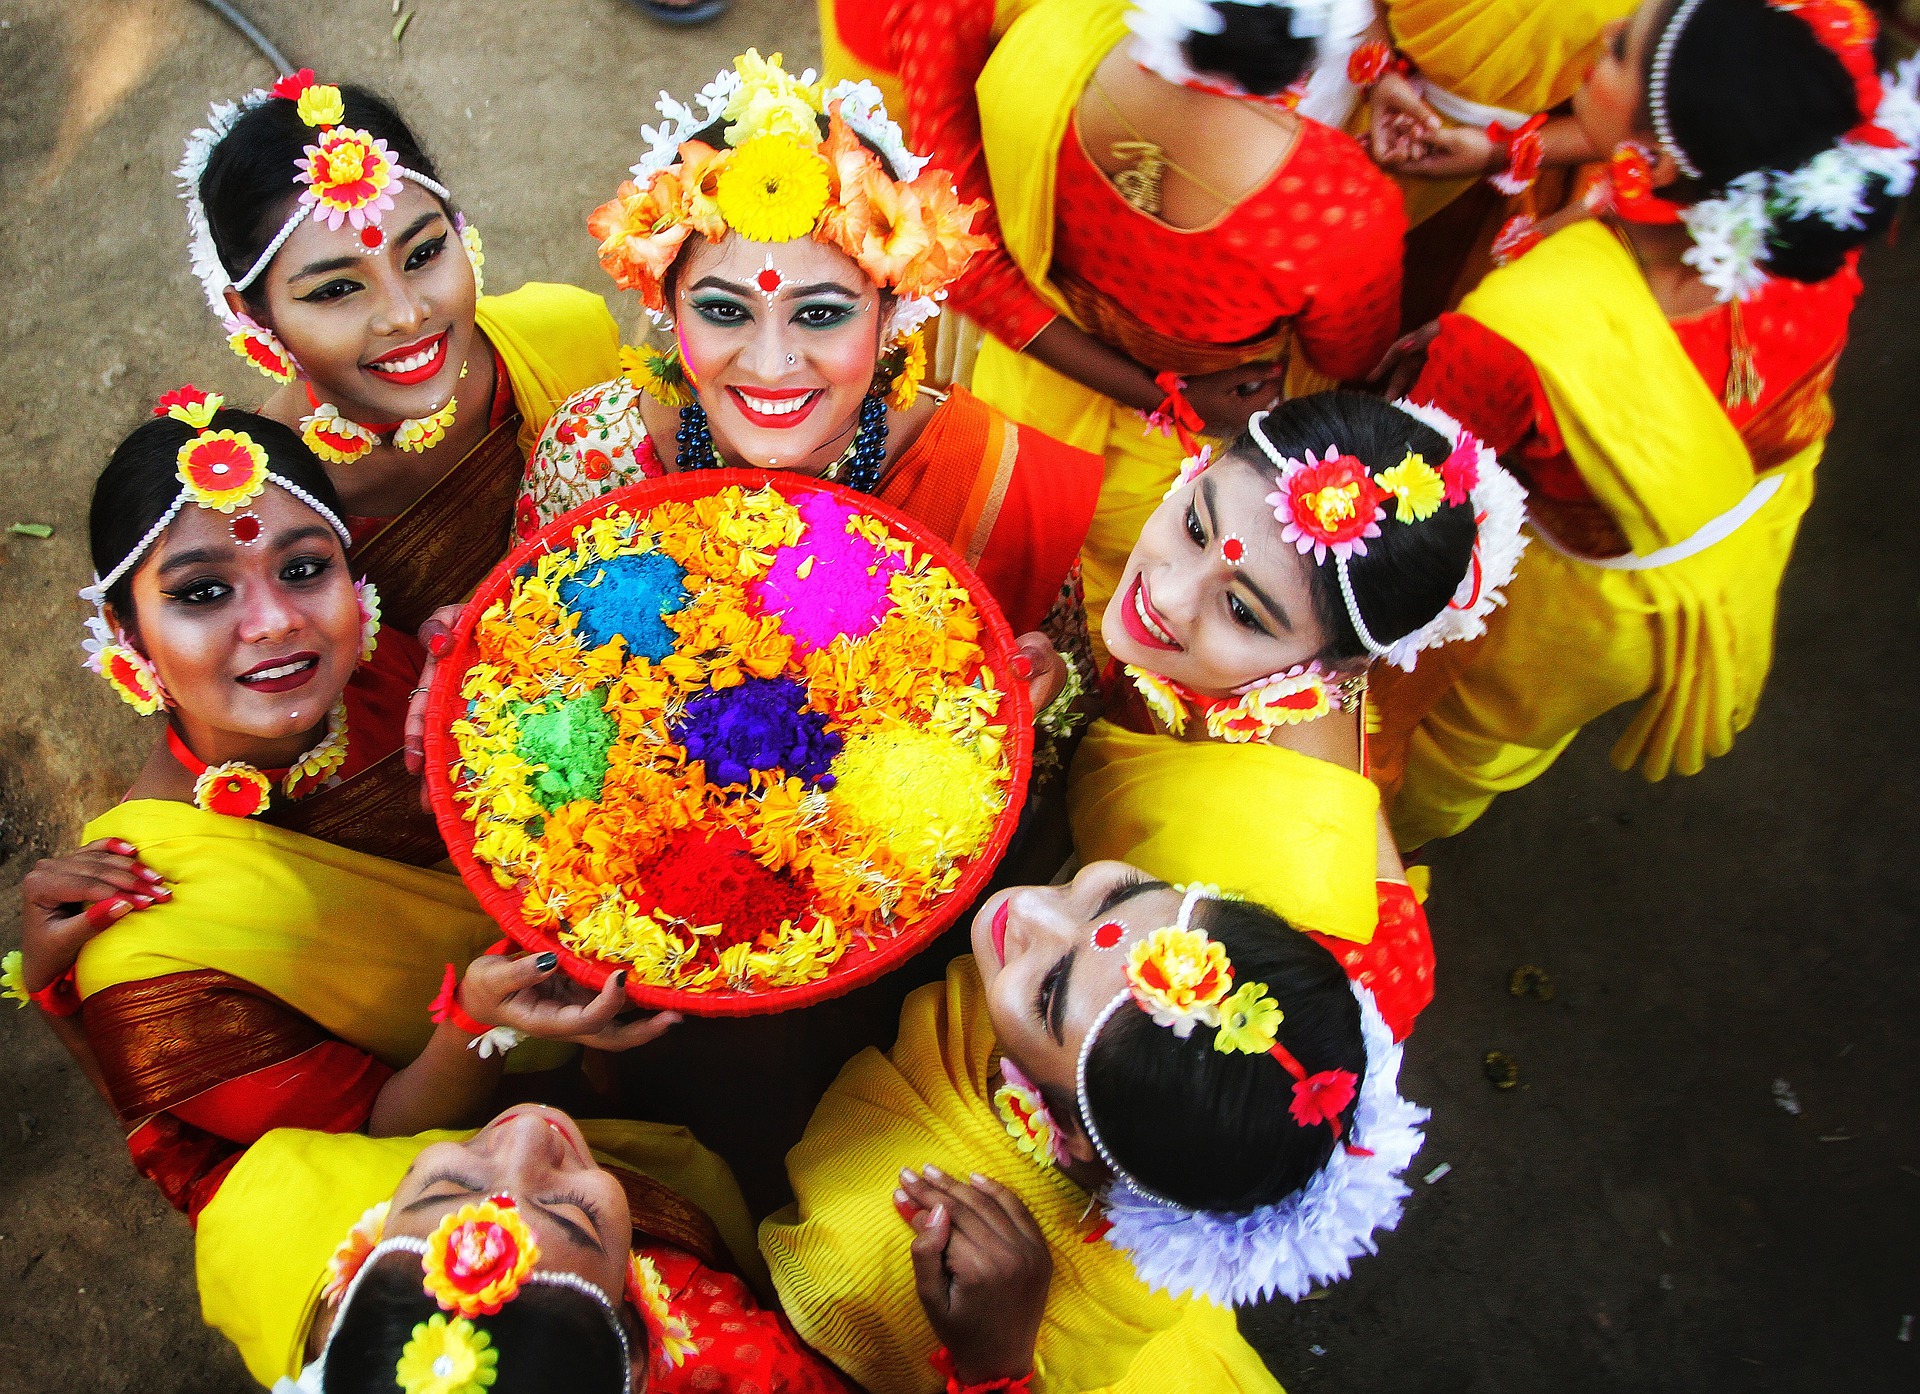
(862, 462)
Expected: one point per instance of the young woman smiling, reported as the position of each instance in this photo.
(642, 1273)
(1182, 1062)
(795, 316)
(1339, 531)
(349, 276)
(1659, 378)
(262, 978)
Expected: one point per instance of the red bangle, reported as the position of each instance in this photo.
(1372, 61)
(942, 1361)
(446, 1007)
(59, 997)
(1521, 151)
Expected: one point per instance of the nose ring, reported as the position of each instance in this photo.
(789, 360)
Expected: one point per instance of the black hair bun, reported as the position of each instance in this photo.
(1256, 48)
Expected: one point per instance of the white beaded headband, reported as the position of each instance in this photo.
(1657, 87)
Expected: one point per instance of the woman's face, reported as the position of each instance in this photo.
(381, 336)
(1611, 106)
(578, 1213)
(1046, 976)
(781, 358)
(255, 640)
(1187, 610)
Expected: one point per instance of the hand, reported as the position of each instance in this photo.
(1227, 398)
(1044, 669)
(1402, 120)
(1452, 152)
(68, 900)
(533, 997)
(981, 1268)
(437, 636)
(1405, 360)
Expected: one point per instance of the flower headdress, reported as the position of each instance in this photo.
(774, 179)
(479, 1259)
(1333, 505)
(1161, 29)
(1732, 231)
(346, 177)
(218, 470)
(1183, 979)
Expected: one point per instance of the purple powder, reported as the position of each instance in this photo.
(762, 724)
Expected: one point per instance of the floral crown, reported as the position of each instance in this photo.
(1732, 231)
(1332, 505)
(218, 470)
(347, 176)
(1182, 979)
(477, 1261)
(774, 179)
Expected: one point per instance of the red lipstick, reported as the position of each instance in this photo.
(1000, 931)
(1135, 614)
(287, 674)
(784, 419)
(434, 347)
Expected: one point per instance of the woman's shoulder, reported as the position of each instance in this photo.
(540, 309)
(1330, 166)
(595, 442)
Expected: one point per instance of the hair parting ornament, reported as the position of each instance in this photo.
(1732, 230)
(1331, 505)
(479, 1259)
(218, 470)
(1183, 979)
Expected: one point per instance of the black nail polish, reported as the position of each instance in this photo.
(620, 978)
(547, 962)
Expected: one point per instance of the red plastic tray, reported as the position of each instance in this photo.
(861, 964)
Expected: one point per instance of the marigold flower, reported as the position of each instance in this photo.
(773, 189)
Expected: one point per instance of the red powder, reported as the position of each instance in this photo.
(715, 879)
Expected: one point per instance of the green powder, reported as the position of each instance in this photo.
(571, 740)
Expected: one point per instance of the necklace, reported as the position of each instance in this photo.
(862, 460)
(339, 440)
(1284, 699)
(240, 790)
(1146, 161)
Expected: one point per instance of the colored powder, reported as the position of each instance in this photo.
(831, 582)
(760, 724)
(715, 880)
(936, 800)
(627, 596)
(571, 740)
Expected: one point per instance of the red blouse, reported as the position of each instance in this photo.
(1318, 243)
(740, 1347)
(1795, 329)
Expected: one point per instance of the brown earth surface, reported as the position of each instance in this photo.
(1640, 1213)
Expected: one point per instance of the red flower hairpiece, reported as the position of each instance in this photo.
(1318, 1098)
(1328, 505)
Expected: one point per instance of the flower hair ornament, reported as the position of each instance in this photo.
(1331, 506)
(346, 178)
(1183, 980)
(218, 470)
(1732, 231)
(480, 1258)
(1161, 29)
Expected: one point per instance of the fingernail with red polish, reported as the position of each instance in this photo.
(1022, 665)
(439, 644)
(120, 846)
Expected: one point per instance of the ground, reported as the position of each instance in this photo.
(1639, 1213)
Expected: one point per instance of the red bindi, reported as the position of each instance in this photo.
(371, 237)
(1109, 933)
(1234, 550)
(769, 280)
(246, 529)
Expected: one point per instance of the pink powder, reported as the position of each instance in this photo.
(844, 591)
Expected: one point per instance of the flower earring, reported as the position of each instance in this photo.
(367, 596)
(661, 374)
(902, 368)
(260, 346)
(476, 254)
(1630, 181)
(126, 670)
(1023, 1112)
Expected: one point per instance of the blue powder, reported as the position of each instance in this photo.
(627, 599)
(761, 724)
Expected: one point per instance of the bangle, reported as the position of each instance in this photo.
(59, 997)
(942, 1361)
(1058, 718)
(1373, 60)
(1520, 154)
(446, 1007)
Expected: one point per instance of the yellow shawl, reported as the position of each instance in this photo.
(263, 1242)
(355, 943)
(554, 340)
(1524, 55)
(1648, 436)
(839, 1253)
(1297, 834)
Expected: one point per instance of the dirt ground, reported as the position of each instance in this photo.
(1640, 1213)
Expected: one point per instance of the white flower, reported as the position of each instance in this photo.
(1730, 238)
(864, 109)
(1832, 186)
(681, 122)
(909, 313)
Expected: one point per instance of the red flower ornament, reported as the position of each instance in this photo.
(232, 790)
(222, 469)
(478, 1257)
(1330, 505)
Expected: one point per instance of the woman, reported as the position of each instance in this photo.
(279, 980)
(1338, 532)
(349, 277)
(642, 1276)
(1713, 298)
(796, 343)
(1170, 236)
(1183, 1062)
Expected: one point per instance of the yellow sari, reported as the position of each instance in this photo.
(1168, 805)
(1693, 637)
(839, 1253)
(261, 1250)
